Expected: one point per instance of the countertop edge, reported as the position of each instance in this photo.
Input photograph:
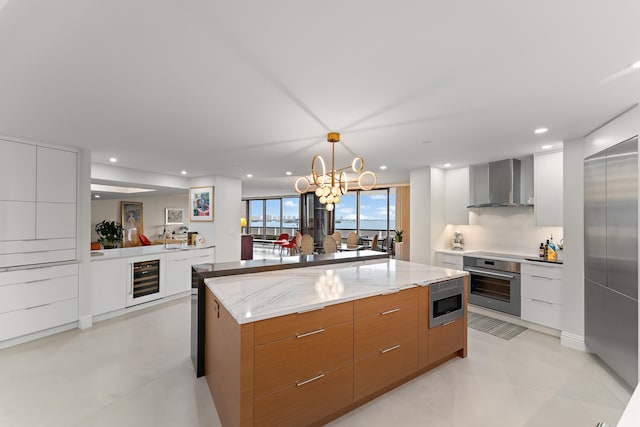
(139, 251)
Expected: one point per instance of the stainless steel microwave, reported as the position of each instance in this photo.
(446, 301)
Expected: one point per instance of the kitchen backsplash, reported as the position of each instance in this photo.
(509, 230)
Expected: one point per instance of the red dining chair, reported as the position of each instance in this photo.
(282, 239)
(290, 245)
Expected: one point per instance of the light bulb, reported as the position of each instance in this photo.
(334, 190)
(336, 200)
(330, 198)
(329, 207)
(326, 191)
(323, 200)
(318, 191)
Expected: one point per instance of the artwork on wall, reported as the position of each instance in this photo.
(132, 222)
(173, 216)
(201, 199)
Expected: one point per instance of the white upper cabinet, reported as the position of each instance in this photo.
(548, 189)
(457, 196)
(56, 175)
(17, 171)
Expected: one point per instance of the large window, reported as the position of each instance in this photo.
(368, 213)
(271, 217)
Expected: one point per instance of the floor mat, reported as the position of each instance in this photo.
(499, 328)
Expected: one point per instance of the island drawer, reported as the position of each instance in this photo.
(284, 363)
(295, 324)
(382, 304)
(385, 367)
(311, 400)
(377, 332)
(446, 339)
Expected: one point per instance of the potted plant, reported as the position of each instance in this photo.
(399, 235)
(109, 233)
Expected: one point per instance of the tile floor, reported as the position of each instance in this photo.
(135, 370)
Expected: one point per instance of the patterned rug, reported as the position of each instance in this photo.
(499, 328)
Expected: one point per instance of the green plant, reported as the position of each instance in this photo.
(399, 235)
(109, 232)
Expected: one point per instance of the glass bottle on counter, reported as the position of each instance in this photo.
(541, 251)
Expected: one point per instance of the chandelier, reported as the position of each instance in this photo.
(330, 186)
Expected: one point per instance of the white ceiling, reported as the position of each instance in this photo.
(230, 88)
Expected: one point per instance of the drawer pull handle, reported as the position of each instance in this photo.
(37, 306)
(449, 322)
(311, 309)
(306, 334)
(449, 263)
(542, 277)
(539, 300)
(395, 310)
(36, 281)
(387, 350)
(301, 383)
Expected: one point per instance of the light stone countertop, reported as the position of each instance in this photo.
(504, 257)
(142, 251)
(259, 296)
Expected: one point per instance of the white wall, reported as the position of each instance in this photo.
(438, 211)
(420, 216)
(573, 220)
(84, 237)
(224, 231)
(152, 212)
(503, 229)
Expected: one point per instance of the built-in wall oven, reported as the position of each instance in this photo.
(493, 283)
(145, 280)
(446, 301)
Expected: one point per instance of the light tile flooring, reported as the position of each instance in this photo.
(135, 370)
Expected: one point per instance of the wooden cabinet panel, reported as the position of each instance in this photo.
(446, 339)
(378, 332)
(287, 362)
(300, 323)
(385, 367)
(17, 171)
(56, 175)
(423, 327)
(382, 303)
(304, 404)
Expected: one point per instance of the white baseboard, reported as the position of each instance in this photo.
(573, 341)
(85, 322)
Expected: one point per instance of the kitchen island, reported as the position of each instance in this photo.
(303, 346)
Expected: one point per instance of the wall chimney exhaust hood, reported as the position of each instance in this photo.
(498, 184)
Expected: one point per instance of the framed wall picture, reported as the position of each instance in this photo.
(201, 202)
(173, 216)
(132, 222)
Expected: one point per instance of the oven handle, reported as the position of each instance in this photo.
(487, 273)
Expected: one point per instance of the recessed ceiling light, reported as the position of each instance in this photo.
(183, 172)
(447, 165)
(97, 196)
(113, 160)
(540, 130)
(249, 175)
(288, 173)
(546, 147)
(635, 65)
(383, 167)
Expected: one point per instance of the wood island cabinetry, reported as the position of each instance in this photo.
(310, 367)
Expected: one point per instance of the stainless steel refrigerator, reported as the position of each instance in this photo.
(611, 257)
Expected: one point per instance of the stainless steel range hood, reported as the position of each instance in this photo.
(495, 184)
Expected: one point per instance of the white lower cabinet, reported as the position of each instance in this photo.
(542, 294)
(178, 269)
(108, 286)
(37, 299)
(449, 260)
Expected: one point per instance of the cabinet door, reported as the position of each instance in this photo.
(457, 196)
(548, 189)
(56, 173)
(55, 220)
(108, 285)
(17, 220)
(17, 171)
(178, 273)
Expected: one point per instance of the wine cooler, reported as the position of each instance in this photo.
(144, 281)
